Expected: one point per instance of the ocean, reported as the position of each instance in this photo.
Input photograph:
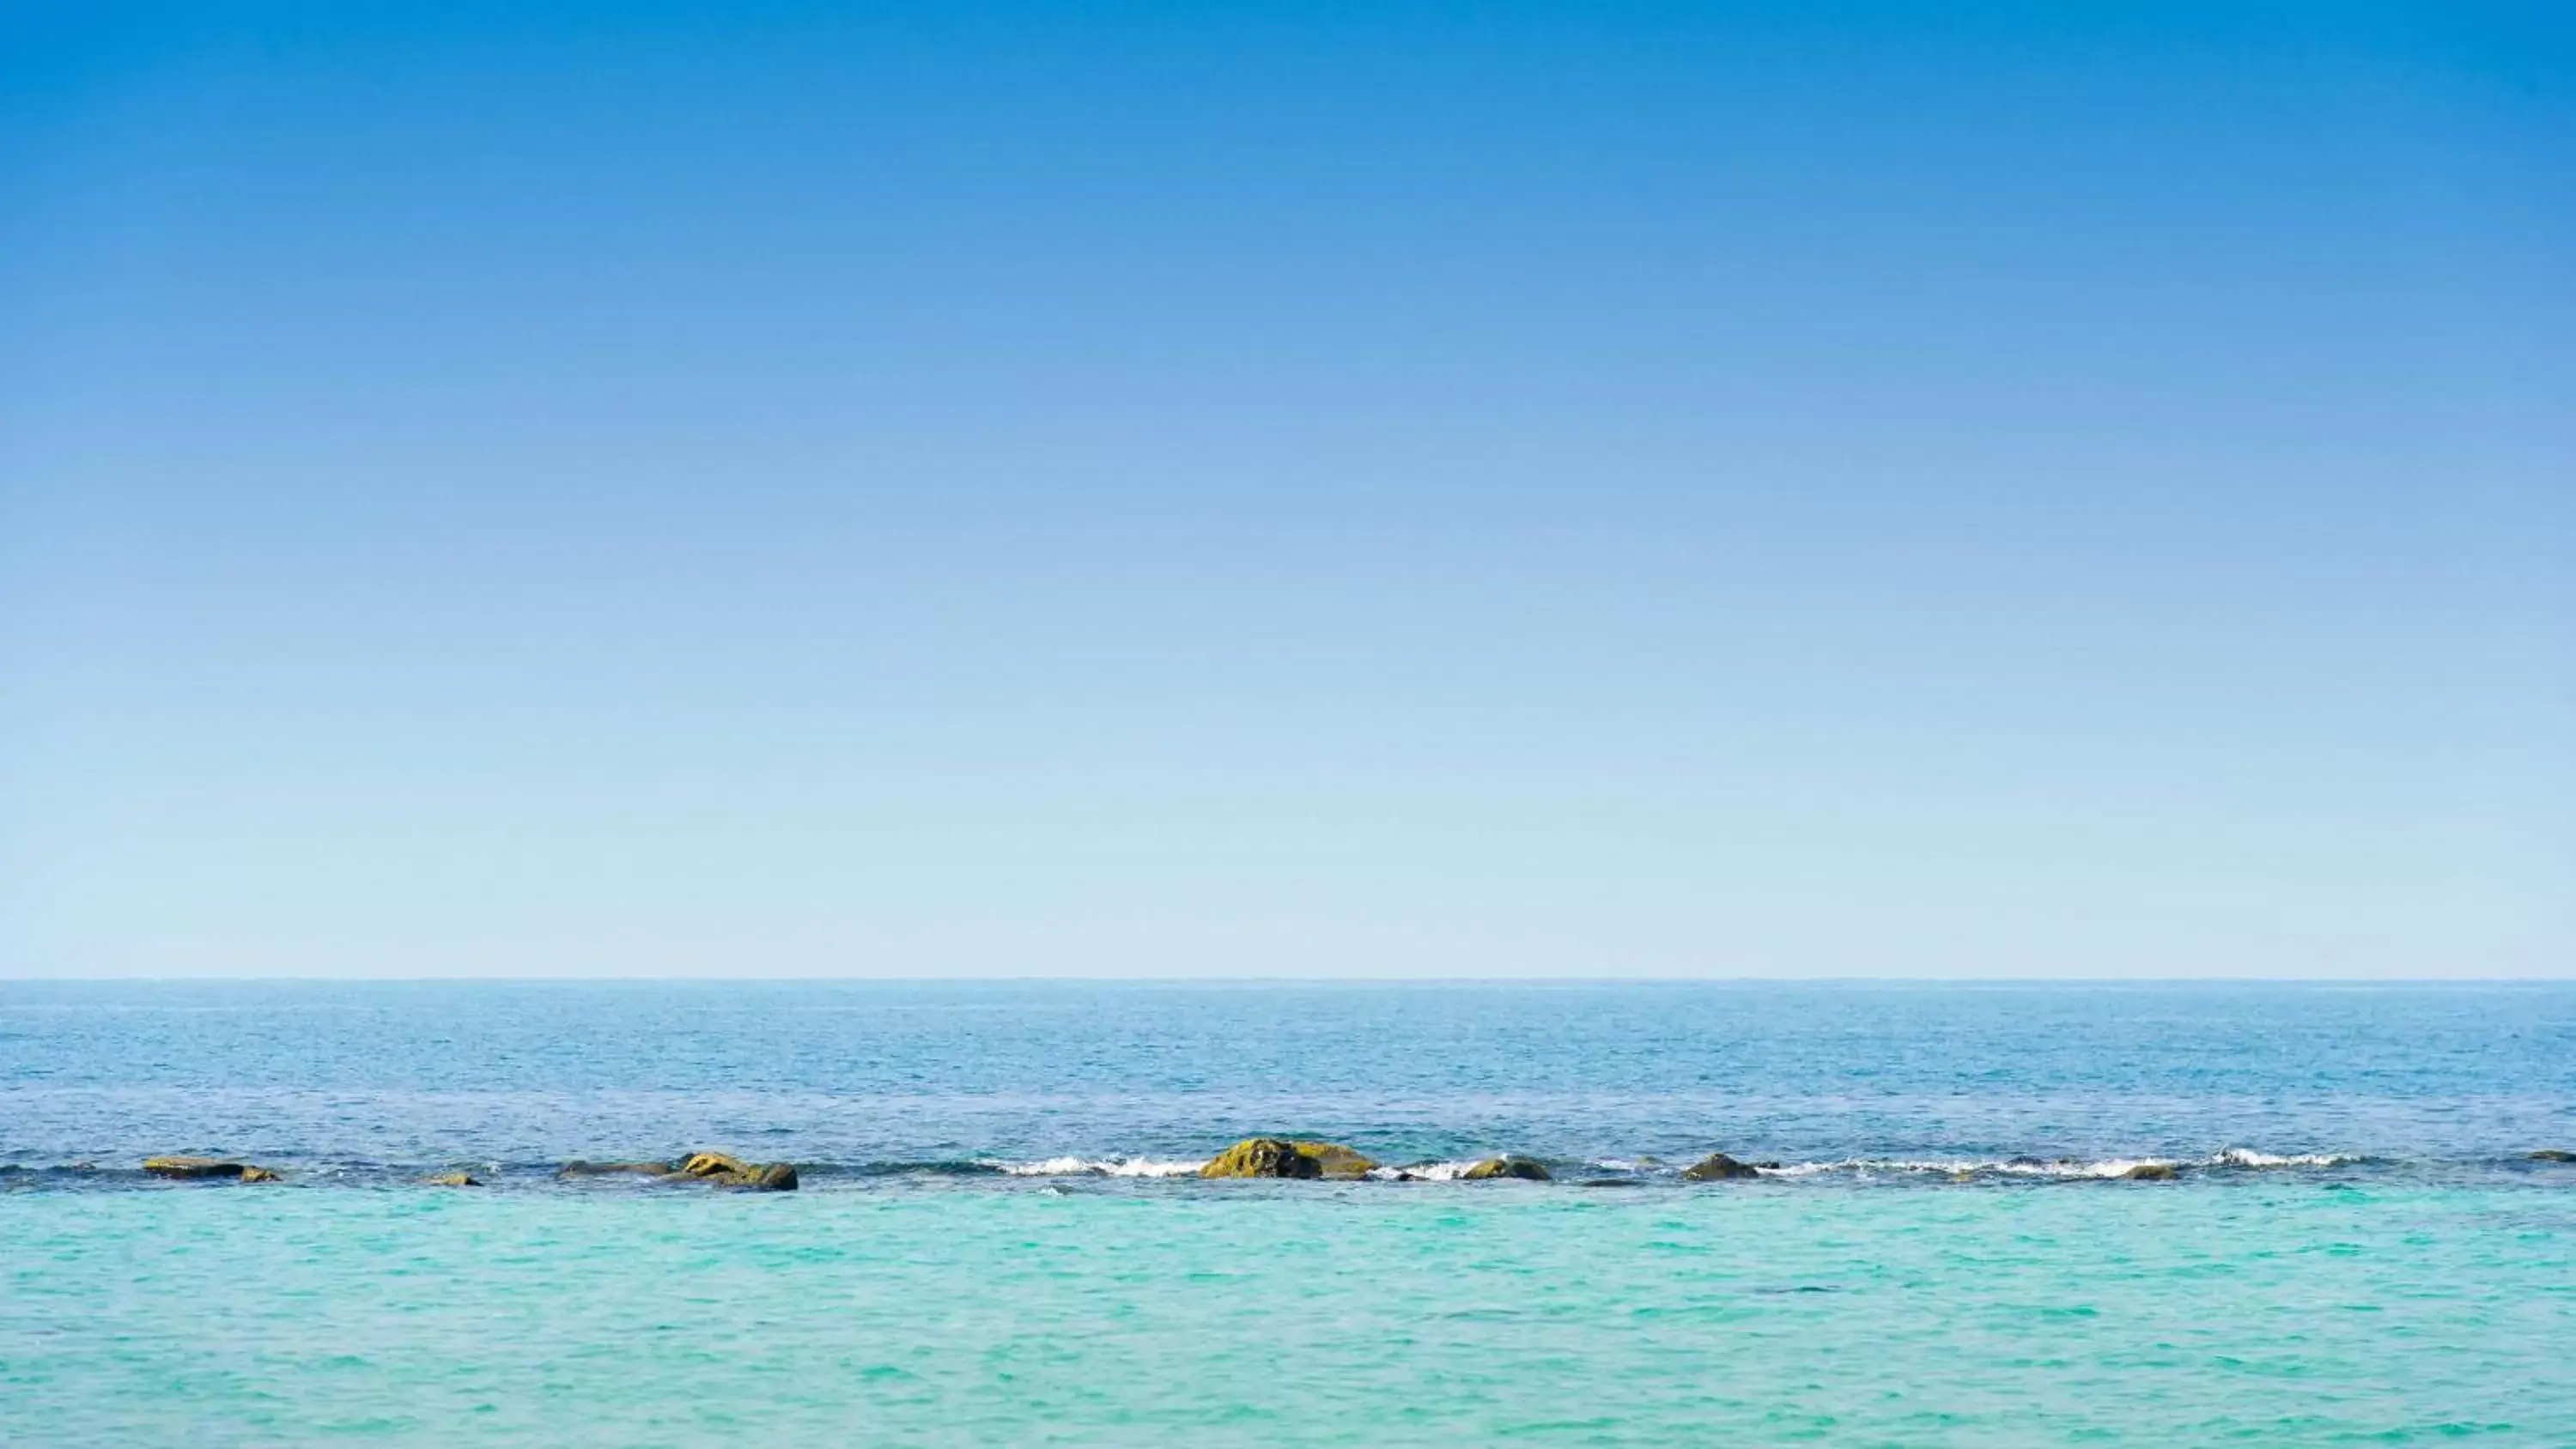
(999, 1236)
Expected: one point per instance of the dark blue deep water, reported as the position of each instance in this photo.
(870, 1078)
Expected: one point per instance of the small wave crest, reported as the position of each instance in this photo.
(2063, 1167)
(2240, 1163)
(1104, 1167)
(2248, 1157)
(1969, 1167)
(1426, 1171)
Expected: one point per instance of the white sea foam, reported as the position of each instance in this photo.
(2060, 1168)
(1426, 1171)
(1806, 1169)
(1104, 1167)
(1955, 1167)
(2248, 1157)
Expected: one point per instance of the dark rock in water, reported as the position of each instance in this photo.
(191, 1167)
(614, 1169)
(202, 1168)
(455, 1179)
(726, 1171)
(1263, 1157)
(743, 1177)
(2151, 1172)
(1610, 1182)
(1718, 1167)
(2552, 1154)
(1527, 1169)
(714, 1168)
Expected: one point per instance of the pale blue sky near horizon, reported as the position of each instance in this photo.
(1288, 490)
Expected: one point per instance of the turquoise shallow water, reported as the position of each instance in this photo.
(2290, 1314)
(997, 1241)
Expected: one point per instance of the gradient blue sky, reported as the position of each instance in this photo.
(2039, 490)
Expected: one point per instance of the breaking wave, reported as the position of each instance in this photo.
(1425, 1171)
(1606, 1170)
(2063, 1167)
(1105, 1167)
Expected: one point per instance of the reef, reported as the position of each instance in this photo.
(206, 1168)
(723, 1171)
(1282, 1157)
(714, 1168)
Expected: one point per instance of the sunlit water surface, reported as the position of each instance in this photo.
(997, 1241)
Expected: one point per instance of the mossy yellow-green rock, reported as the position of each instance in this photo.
(1718, 1167)
(1527, 1169)
(1332, 1159)
(455, 1179)
(1282, 1157)
(2553, 1154)
(721, 1170)
(1263, 1157)
(2150, 1172)
(198, 1168)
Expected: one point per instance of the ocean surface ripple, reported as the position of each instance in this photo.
(1000, 1237)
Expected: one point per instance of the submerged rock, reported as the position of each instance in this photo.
(715, 1168)
(2552, 1154)
(455, 1179)
(201, 1168)
(1263, 1157)
(1527, 1169)
(2151, 1172)
(724, 1171)
(1718, 1167)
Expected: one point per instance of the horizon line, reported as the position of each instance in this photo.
(1283, 980)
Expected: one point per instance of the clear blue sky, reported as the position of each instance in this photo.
(1299, 489)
